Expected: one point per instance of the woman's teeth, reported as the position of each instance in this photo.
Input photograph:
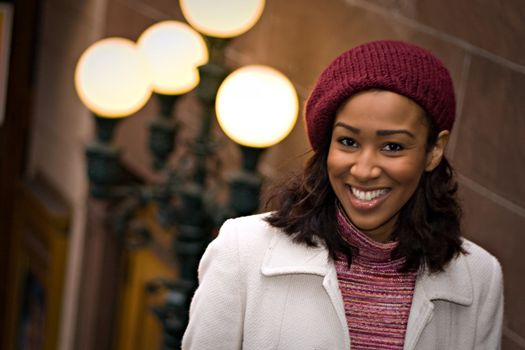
(368, 195)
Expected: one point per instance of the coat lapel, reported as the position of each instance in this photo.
(331, 285)
(285, 257)
(453, 285)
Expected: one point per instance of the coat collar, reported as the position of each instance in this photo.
(453, 284)
(284, 256)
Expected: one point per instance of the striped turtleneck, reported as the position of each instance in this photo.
(377, 298)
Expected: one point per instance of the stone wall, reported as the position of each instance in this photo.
(481, 42)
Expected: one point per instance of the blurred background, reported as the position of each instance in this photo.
(111, 265)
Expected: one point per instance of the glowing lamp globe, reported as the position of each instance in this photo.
(173, 51)
(222, 19)
(257, 106)
(112, 78)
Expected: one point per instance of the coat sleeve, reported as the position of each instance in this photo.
(490, 315)
(216, 311)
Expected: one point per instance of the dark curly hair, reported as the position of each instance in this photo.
(428, 228)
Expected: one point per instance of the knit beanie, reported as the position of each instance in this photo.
(396, 66)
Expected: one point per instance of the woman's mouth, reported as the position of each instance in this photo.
(367, 199)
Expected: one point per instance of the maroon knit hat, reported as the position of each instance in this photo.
(390, 65)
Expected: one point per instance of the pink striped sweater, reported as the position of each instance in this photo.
(376, 296)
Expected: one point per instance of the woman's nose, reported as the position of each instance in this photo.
(365, 167)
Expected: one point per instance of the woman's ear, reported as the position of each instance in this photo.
(436, 153)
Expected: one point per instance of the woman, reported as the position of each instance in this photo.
(364, 250)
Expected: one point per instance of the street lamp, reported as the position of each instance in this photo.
(173, 52)
(222, 19)
(112, 79)
(257, 107)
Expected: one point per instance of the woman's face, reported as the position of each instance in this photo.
(377, 156)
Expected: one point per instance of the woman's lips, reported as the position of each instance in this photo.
(367, 200)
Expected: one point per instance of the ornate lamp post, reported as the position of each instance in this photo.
(256, 106)
(218, 22)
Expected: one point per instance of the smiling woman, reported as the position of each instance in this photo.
(364, 249)
(377, 156)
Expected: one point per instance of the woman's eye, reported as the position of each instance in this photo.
(393, 147)
(348, 142)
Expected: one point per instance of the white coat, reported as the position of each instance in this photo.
(259, 290)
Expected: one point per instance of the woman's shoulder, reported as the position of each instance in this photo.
(478, 258)
(252, 227)
(483, 267)
(257, 246)
(468, 278)
(248, 234)
(263, 249)
(255, 221)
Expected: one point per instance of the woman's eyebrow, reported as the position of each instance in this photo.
(393, 132)
(378, 133)
(346, 126)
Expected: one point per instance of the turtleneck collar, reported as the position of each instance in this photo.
(367, 248)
